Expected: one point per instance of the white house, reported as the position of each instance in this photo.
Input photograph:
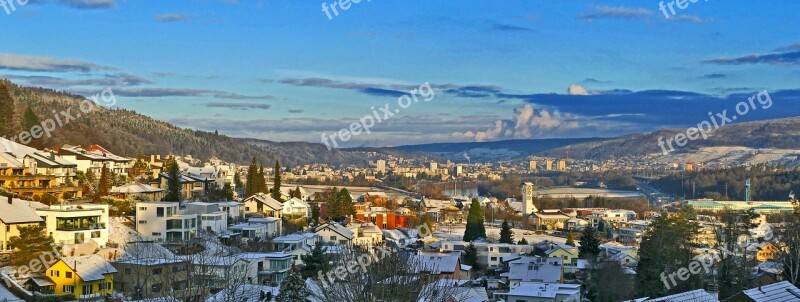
(77, 223)
(267, 268)
(296, 207)
(534, 269)
(543, 292)
(335, 234)
(163, 221)
(216, 222)
(490, 255)
(296, 245)
(263, 204)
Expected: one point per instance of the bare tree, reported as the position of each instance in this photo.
(384, 275)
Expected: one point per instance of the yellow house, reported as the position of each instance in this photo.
(84, 277)
(568, 253)
(768, 252)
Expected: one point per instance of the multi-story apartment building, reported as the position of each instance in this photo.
(93, 158)
(71, 224)
(32, 174)
(163, 221)
(490, 255)
(149, 278)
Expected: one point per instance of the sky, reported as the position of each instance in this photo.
(490, 70)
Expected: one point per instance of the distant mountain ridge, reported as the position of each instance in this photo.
(493, 150)
(777, 134)
(125, 132)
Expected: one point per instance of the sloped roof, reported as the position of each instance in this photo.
(337, 228)
(698, 295)
(135, 188)
(437, 263)
(266, 200)
(781, 291)
(90, 268)
(19, 211)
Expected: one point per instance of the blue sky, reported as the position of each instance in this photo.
(284, 71)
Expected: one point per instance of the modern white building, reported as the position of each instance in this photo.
(76, 223)
(527, 199)
(164, 221)
(490, 255)
(296, 245)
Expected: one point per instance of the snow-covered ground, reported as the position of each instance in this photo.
(457, 233)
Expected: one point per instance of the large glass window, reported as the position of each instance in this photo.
(78, 223)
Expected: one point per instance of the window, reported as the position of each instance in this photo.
(333, 238)
(156, 288)
(96, 234)
(160, 212)
(142, 208)
(142, 221)
(494, 258)
(68, 275)
(88, 289)
(57, 273)
(157, 271)
(68, 288)
(156, 234)
(128, 270)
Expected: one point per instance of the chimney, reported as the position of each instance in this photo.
(10, 199)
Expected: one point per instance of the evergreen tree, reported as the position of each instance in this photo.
(470, 256)
(570, 239)
(174, 185)
(346, 206)
(475, 228)
(590, 244)
(104, 187)
(32, 242)
(506, 234)
(6, 111)
(293, 288)
(315, 262)
(261, 182)
(237, 180)
(29, 120)
(276, 181)
(315, 213)
(665, 249)
(297, 194)
(140, 167)
(523, 241)
(332, 203)
(252, 175)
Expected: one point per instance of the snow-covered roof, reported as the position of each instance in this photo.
(135, 188)
(90, 267)
(18, 211)
(781, 291)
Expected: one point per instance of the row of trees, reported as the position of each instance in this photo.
(257, 182)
